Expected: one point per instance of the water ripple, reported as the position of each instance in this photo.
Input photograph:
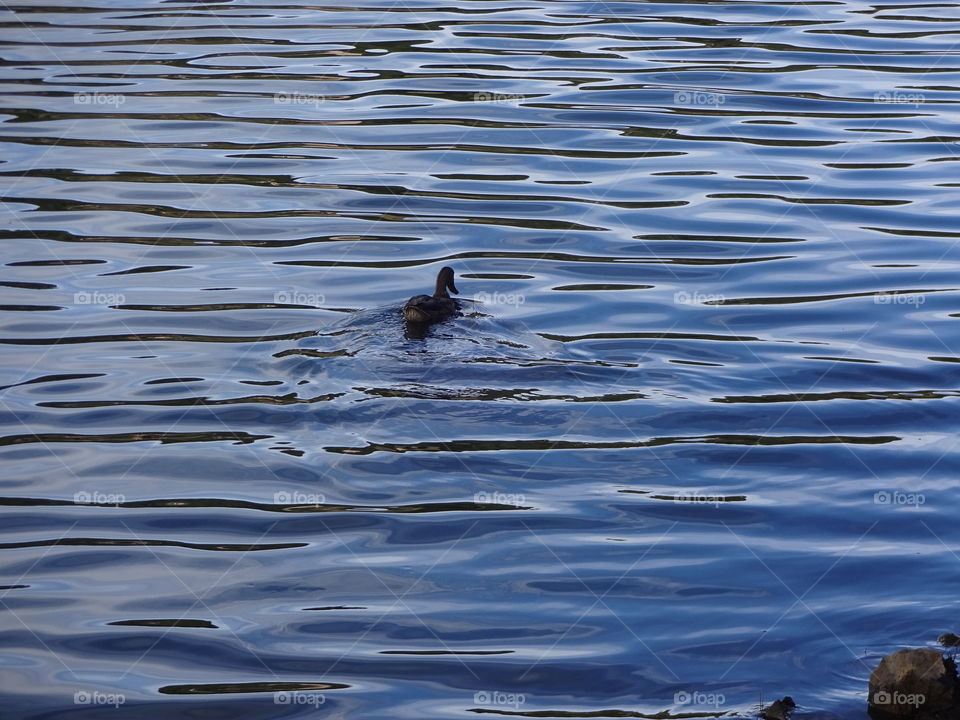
(690, 445)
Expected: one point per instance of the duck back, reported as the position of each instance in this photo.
(427, 309)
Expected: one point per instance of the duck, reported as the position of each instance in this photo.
(429, 309)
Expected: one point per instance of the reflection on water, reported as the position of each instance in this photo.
(690, 445)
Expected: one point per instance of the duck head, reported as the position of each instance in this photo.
(445, 282)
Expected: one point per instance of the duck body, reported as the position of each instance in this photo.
(427, 309)
(430, 309)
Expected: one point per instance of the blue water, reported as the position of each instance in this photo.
(691, 446)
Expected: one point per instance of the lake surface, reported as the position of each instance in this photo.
(691, 446)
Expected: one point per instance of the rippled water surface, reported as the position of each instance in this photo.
(691, 445)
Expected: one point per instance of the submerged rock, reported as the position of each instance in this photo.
(914, 684)
(778, 710)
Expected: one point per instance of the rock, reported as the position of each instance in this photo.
(916, 684)
(779, 710)
(949, 640)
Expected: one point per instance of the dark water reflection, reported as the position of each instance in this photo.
(691, 444)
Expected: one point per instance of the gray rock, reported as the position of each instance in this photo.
(914, 685)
